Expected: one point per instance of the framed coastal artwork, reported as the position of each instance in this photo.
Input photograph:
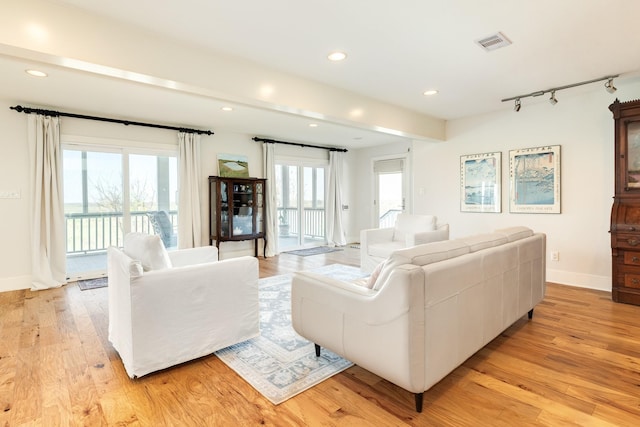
(233, 166)
(534, 180)
(480, 182)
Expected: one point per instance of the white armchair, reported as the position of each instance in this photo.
(377, 244)
(167, 308)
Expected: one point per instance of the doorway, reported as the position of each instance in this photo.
(300, 196)
(390, 191)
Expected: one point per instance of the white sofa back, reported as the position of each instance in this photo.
(431, 308)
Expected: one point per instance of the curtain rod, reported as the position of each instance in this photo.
(28, 110)
(273, 141)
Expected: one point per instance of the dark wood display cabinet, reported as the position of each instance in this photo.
(237, 210)
(625, 213)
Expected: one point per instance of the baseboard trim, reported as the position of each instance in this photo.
(589, 281)
(15, 283)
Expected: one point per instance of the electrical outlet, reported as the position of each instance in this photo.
(555, 256)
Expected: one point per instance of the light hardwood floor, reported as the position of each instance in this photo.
(576, 363)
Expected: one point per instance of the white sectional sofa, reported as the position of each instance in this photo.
(430, 308)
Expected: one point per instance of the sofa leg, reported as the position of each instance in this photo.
(530, 314)
(317, 350)
(419, 399)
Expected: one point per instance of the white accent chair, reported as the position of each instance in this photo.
(377, 244)
(167, 308)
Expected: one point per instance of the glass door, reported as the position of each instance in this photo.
(153, 196)
(390, 191)
(301, 205)
(110, 192)
(93, 201)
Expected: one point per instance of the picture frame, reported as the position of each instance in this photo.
(534, 180)
(233, 166)
(481, 182)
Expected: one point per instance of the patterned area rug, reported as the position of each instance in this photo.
(313, 251)
(280, 363)
(100, 282)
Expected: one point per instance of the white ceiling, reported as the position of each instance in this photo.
(396, 50)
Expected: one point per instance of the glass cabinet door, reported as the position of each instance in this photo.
(259, 207)
(633, 154)
(224, 209)
(242, 208)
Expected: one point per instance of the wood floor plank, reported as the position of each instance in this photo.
(577, 362)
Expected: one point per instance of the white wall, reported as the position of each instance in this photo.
(583, 126)
(15, 264)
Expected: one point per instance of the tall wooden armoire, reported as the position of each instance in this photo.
(625, 213)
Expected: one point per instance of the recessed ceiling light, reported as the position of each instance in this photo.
(36, 73)
(336, 56)
(227, 109)
(313, 125)
(430, 92)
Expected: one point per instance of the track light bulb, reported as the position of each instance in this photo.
(553, 100)
(517, 106)
(609, 86)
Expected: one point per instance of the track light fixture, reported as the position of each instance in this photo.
(609, 86)
(553, 101)
(516, 107)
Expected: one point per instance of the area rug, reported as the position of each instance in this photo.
(100, 282)
(280, 363)
(313, 251)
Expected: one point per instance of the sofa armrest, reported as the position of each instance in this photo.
(339, 315)
(375, 235)
(192, 256)
(368, 305)
(441, 233)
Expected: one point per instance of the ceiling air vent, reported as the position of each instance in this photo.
(494, 41)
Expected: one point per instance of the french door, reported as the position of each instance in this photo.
(109, 192)
(390, 190)
(300, 192)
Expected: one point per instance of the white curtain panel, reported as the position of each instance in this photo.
(271, 224)
(189, 218)
(48, 252)
(335, 227)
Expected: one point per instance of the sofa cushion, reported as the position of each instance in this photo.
(483, 241)
(421, 255)
(383, 250)
(148, 249)
(515, 233)
(407, 223)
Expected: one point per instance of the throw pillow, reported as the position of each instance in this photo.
(148, 249)
(371, 281)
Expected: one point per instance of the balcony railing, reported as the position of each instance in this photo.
(95, 232)
(388, 219)
(314, 221)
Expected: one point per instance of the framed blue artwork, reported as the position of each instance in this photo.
(534, 180)
(480, 182)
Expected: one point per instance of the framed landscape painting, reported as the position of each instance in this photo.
(233, 166)
(480, 182)
(534, 178)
